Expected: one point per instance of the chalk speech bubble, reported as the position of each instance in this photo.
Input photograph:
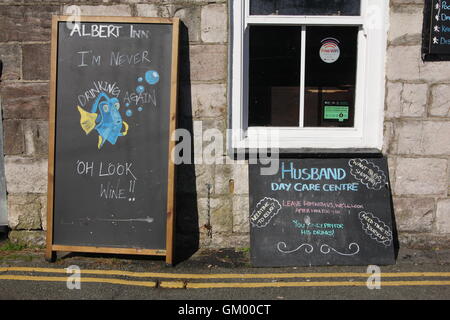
(375, 228)
(264, 212)
(368, 173)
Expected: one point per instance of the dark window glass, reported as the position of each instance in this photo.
(274, 76)
(306, 7)
(331, 56)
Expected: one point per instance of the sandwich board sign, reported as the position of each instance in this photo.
(112, 112)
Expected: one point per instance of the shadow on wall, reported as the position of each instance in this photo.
(187, 236)
(395, 240)
(3, 218)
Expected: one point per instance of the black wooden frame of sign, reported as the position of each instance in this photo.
(51, 248)
(426, 35)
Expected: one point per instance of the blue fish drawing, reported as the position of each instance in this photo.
(105, 118)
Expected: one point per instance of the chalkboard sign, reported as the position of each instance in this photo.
(321, 212)
(436, 31)
(112, 112)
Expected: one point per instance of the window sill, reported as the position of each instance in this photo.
(315, 153)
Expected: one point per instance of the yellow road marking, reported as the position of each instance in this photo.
(219, 285)
(172, 284)
(150, 284)
(230, 275)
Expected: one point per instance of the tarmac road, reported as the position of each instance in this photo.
(30, 290)
(218, 275)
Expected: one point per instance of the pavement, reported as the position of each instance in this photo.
(218, 274)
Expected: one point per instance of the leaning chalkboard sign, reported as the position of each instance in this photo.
(112, 112)
(322, 212)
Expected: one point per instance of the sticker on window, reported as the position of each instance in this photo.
(329, 51)
(336, 110)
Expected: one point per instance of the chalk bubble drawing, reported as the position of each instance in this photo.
(105, 118)
(152, 77)
(140, 89)
(264, 212)
(309, 248)
(375, 228)
(368, 173)
(326, 249)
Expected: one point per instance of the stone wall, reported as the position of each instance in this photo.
(417, 130)
(24, 50)
(212, 200)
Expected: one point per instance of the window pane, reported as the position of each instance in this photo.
(331, 54)
(306, 7)
(274, 76)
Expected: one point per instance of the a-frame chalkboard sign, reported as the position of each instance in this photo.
(112, 112)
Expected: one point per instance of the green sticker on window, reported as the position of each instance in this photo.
(336, 113)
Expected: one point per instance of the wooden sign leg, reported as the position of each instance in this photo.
(50, 256)
(169, 251)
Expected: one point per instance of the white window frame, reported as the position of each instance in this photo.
(367, 132)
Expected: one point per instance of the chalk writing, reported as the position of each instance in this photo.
(375, 228)
(290, 172)
(102, 169)
(118, 58)
(319, 207)
(85, 59)
(98, 87)
(111, 189)
(301, 187)
(264, 212)
(119, 169)
(140, 34)
(96, 30)
(332, 205)
(317, 229)
(436, 29)
(367, 173)
(140, 98)
(108, 31)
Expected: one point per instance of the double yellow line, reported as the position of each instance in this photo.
(277, 280)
